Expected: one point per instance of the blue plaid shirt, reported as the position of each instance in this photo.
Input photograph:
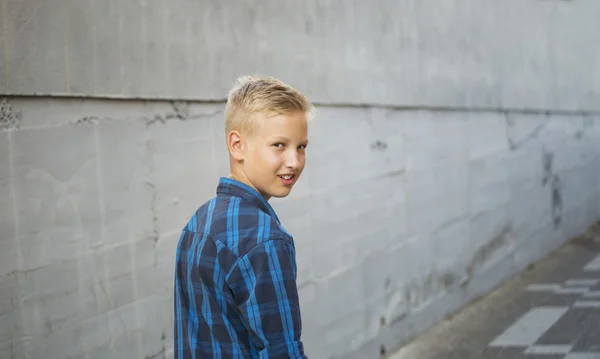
(235, 281)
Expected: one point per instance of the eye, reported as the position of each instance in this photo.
(278, 145)
(302, 147)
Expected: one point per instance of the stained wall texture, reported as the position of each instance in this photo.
(453, 145)
(400, 217)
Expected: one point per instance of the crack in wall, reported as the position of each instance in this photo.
(409, 298)
(150, 150)
(91, 120)
(486, 252)
(549, 177)
(514, 143)
(180, 110)
(586, 125)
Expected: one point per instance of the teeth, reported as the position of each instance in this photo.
(287, 177)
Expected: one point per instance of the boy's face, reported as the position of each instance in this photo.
(274, 155)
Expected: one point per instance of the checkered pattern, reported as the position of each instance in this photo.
(525, 333)
(235, 281)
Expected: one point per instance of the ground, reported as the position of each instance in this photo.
(550, 311)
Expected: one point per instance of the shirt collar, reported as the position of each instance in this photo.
(232, 187)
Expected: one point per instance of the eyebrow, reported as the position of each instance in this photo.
(281, 138)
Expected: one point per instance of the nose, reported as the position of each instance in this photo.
(292, 159)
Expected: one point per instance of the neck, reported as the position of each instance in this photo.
(241, 177)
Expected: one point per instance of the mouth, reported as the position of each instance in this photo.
(287, 179)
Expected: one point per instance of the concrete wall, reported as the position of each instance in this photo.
(477, 152)
(513, 53)
(434, 209)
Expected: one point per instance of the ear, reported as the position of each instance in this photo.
(236, 145)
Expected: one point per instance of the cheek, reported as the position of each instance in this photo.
(271, 159)
(302, 160)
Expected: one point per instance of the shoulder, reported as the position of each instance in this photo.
(236, 225)
(203, 217)
(250, 229)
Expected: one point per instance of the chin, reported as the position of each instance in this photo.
(280, 194)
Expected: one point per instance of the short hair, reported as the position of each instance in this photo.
(253, 94)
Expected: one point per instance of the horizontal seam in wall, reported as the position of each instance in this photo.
(425, 107)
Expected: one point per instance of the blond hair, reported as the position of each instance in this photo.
(267, 95)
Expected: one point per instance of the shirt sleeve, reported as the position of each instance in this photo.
(263, 283)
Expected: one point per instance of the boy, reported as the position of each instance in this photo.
(235, 280)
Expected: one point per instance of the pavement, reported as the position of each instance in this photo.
(550, 311)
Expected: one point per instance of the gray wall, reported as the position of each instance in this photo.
(400, 218)
(514, 53)
(478, 152)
